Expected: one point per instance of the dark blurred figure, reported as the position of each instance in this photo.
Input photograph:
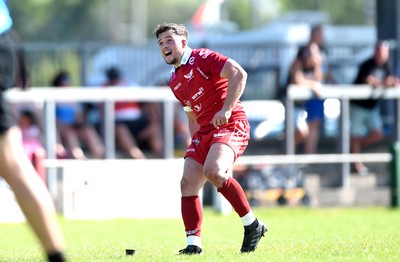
(137, 125)
(15, 167)
(365, 118)
(22, 77)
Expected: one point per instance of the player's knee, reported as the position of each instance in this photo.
(185, 184)
(215, 176)
(190, 187)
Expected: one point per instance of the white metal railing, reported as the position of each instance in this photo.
(50, 96)
(344, 93)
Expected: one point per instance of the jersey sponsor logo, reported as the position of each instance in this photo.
(198, 94)
(189, 75)
(202, 73)
(198, 107)
(191, 150)
(219, 135)
(191, 60)
(204, 53)
(177, 86)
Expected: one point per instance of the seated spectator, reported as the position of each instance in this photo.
(71, 128)
(137, 126)
(32, 141)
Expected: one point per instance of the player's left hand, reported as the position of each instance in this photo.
(221, 118)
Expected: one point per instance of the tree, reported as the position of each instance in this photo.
(90, 20)
(110, 20)
(342, 12)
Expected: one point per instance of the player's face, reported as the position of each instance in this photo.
(171, 47)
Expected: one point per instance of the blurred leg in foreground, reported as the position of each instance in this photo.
(30, 192)
(15, 166)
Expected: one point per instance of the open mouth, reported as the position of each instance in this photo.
(168, 53)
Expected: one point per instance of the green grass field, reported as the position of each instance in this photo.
(295, 234)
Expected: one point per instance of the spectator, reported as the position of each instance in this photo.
(315, 106)
(366, 122)
(71, 128)
(306, 71)
(136, 125)
(32, 141)
(317, 37)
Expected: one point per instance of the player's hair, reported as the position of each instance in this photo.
(177, 29)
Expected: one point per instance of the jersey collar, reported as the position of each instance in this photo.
(184, 60)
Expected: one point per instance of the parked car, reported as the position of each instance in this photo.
(267, 118)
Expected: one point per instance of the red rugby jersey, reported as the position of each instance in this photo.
(197, 83)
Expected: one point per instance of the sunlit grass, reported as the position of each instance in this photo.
(301, 234)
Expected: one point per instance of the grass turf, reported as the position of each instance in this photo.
(301, 234)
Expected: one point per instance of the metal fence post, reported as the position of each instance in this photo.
(168, 129)
(394, 167)
(50, 144)
(109, 129)
(289, 111)
(345, 141)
